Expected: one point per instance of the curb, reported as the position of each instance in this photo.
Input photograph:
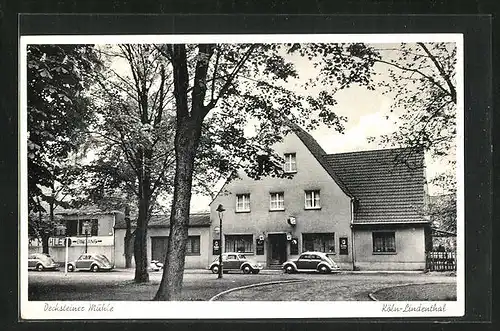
(371, 295)
(215, 297)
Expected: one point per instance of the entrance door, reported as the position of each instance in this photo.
(159, 248)
(277, 248)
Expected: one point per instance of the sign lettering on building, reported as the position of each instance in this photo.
(77, 241)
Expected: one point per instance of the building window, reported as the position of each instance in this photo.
(193, 245)
(318, 242)
(277, 201)
(242, 202)
(76, 227)
(71, 228)
(290, 162)
(239, 243)
(312, 200)
(384, 242)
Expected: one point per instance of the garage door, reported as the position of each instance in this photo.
(159, 248)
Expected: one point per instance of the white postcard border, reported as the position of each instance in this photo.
(40, 310)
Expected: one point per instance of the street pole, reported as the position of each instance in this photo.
(86, 236)
(220, 210)
(66, 257)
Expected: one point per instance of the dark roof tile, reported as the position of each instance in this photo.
(388, 184)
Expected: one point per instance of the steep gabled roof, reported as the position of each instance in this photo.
(319, 154)
(388, 184)
(163, 221)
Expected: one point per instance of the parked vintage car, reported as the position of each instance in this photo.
(92, 262)
(41, 262)
(311, 262)
(235, 262)
(155, 265)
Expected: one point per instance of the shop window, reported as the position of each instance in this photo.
(318, 242)
(242, 202)
(277, 201)
(238, 243)
(312, 200)
(384, 242)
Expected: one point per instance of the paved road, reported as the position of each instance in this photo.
(202, 285)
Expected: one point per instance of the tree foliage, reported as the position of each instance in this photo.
(131, 137)
(421, 78)
(57, 109)
(57, 114)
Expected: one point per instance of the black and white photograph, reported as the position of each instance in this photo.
(170, 176)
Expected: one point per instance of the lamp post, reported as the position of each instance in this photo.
(86, 229)
(220, 210)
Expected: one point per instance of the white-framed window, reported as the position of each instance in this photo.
(312, 199)
(243, 202)
(318, 242)
(277, 201)
(290, 162)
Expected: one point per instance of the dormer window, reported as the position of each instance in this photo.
(290, 163)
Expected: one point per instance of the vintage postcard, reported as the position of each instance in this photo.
(168, 176)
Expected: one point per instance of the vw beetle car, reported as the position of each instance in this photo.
(41, 262)
(155, 265)
(311, 262)
(235, 261)
(92, 262)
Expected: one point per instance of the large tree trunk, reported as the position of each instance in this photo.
(45, 243)
(128, 241)
(140, 243)
(187, 138)
(140, 246)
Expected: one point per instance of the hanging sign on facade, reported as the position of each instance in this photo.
(344, 249)
(216, 247)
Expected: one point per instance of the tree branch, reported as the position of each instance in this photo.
(432, 80)
(229, 81)
(443, 74)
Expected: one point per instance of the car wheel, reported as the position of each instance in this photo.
(247, 269)
(39, 267)
(289, 269)
(94, 268)
(71, 268)
(323, 269)
(255, 272)
(215, 269)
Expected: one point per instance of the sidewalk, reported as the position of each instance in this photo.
(279, 271)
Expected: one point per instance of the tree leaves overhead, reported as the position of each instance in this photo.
(260, 83)
(422, 81)
(57, 109)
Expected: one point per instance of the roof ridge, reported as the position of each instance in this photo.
(370, 150)
(307, 139)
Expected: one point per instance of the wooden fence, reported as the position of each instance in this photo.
(441, 261)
